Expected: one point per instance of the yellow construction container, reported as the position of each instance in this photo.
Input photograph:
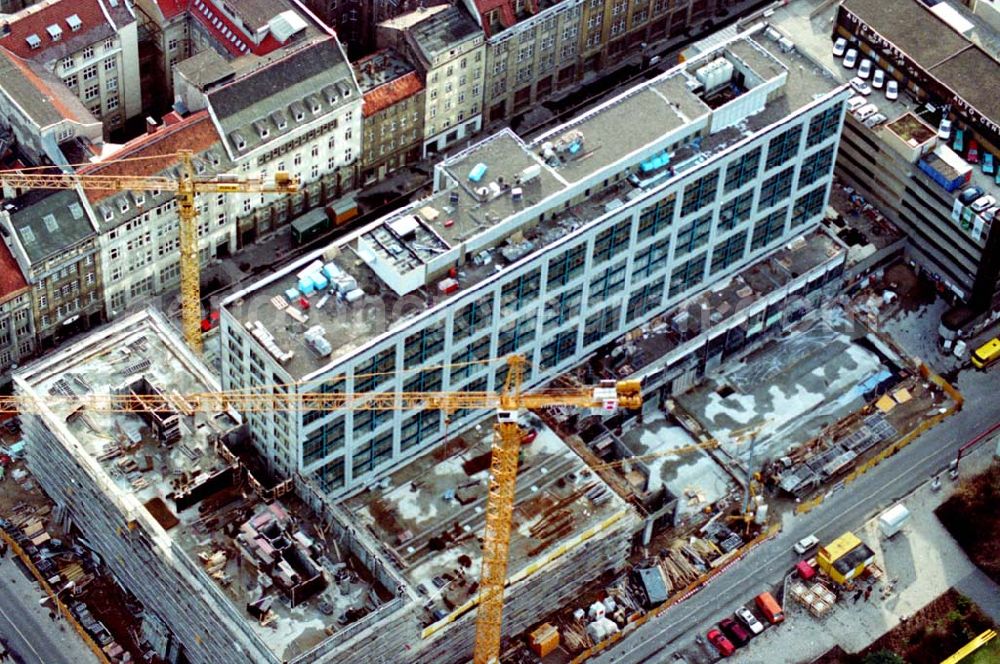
(844, 558)
(544, 639)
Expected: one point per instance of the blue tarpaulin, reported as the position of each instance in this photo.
(871, 383)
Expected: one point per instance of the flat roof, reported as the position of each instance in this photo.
(412, 249)
(957, 62)
(432, 512)
(185, 481)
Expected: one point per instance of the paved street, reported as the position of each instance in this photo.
(845, 510)
(30, 635)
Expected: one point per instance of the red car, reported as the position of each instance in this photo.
(973, 157)
(528, 437)
(721, 643)
(735, 631)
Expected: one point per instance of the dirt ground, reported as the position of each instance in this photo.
(971, 518)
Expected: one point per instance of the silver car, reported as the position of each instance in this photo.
(805, 544)
(749, 619)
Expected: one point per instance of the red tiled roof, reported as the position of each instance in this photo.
(394, 91)
(11, 280)
(506, 7)
(196, 133)
(172, 8)
(34, 20)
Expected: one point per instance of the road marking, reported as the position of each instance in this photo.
(21, 634)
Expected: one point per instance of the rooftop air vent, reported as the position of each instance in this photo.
(55, 32)
(34, 41)
(74, 23)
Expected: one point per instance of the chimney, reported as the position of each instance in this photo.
(151, 125)
(4, 29)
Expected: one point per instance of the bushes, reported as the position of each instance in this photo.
(972, 519)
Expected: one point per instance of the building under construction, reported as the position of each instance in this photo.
(227, 566)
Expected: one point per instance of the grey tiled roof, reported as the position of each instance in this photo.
(306, 84)
(49, 222)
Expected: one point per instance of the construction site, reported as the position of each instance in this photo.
(614, 512)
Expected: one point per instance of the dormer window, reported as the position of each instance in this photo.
(55, 32)
(298, 111)
(261, 129)
(74, 23)
(238, 140)
(279, 120)
(107, 214)
(140, 199)
(314, 104)
(331, 95)
(34, 41)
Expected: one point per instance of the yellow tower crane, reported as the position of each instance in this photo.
(608, 395)
(185, 189)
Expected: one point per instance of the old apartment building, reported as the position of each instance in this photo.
(174, 31)
(91, 45)
(44, 116)
(355, 20)
(138, 231)
(54, 242)
(447, 46)
(17, 331)
(299, 111)
(393, 114)
(536, 49)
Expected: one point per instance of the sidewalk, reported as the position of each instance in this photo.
(921, 562)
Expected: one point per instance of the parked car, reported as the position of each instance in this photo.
(860, 86)
(721, 643)
(892, 90)
(865, 68)
(875, 120)
(839, 47)
(854, 103)
(735, 631)
(805, 544)
(747, 617)
(982, 203)
(944, 129)
(989, 166)
(973, 155)
(970, 194)
(878, 79)
(866, 112)
(851, 58)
